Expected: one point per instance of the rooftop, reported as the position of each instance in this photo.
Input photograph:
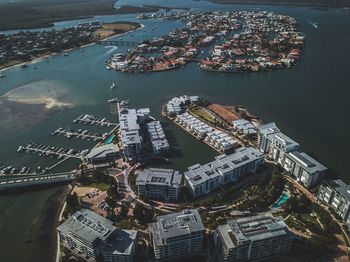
(235, 232)
(103, 151)
(310, 164)
(198, 174)
(175, 225)
(157, 176)
(87, 225)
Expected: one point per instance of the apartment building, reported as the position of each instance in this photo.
(218, 139)
(336, 195)
(93, 237)
(177, 235)
(202, 179)
(263, 132)
(306, 170)
(178, 104)
(161, 184)
(130, 120)
(157, 137)
(280, 144)
(252, 238)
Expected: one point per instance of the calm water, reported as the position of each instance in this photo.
(308, 102)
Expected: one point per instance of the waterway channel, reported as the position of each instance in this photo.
(308, 102)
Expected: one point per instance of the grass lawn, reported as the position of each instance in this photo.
(100, 186)
(203, 114)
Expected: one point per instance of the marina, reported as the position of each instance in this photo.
(82, 134)
(51, 151)
(92, 120)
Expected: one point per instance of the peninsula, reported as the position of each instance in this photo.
(25, 46)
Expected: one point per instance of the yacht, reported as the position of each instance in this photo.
(114, 100)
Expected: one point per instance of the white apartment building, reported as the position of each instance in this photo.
(336, 195)
(130, 120)
(202, 179)
(160, 184)
(177, 235)
(92, 236)
(252, 238)
(157, 137)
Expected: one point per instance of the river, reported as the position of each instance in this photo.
(308, 102)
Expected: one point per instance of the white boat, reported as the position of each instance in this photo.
(314, 24)
(113, 86)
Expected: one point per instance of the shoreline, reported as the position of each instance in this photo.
(41, 58)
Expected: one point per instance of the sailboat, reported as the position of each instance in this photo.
(113, 86)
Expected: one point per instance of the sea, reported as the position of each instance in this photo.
(308, 102)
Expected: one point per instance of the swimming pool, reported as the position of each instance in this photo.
(283, 199)
(109, 140)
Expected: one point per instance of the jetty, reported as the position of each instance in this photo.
(51, 151)
(92, 120)
(83, 134)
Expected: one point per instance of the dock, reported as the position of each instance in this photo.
(82, 134)
(92, 120)
(51, 151)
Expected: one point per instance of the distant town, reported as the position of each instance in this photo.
(261, 197)
(25, 46)
(245, 41)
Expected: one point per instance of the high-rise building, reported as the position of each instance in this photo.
(252, 238)
(93, 237)
(156, 183)
(202, 179)
(177, 235)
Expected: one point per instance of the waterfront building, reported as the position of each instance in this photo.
(252, 238)
(263, 132)
(93, 237)
(176, 235)
(105, 155)
(157, 137)
(280, 144)
(304, 168)
(218, 139)
(161, 184)
(244, 127)
(202, 179)
(336, 195)
(178, 104)
(130, 120)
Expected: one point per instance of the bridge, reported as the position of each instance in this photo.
(30, 180)
(118, 43)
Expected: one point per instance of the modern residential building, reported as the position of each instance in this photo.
(244, 127)
(176, 235)
(308, 171)
(157, 137)
(178, 104)
(263, 132)
(93, 237)
(304, 168)
(202, 179)
(130, 120)
(218, 139)
(336, 195)
(156, 183)
(280, 144)
(105, 155)
(252, 238)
